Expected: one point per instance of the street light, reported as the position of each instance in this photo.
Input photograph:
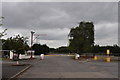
(31, 42)
(32, 33)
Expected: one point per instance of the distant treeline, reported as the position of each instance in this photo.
(40, 49)
(19, 44)
(114, 50)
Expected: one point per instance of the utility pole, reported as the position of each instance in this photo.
(32, 33)
(31, 42)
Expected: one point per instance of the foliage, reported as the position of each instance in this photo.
(97, 50)
(1, 18)
(62, 49)
(82, 37)
(2, 33)
(17, 43)
(52, 50)
(114, 50)
(40, 49)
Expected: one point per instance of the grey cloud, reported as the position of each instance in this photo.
(53, 38)
(61, 14)
(0, 9)
(109, 30)
(48, 34)
(56, 18)
(106, 34)
(55, 34)
(61, 1)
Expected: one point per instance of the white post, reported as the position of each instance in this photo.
(20, 56)
(77, 56)
(42, 56)
(11, 55)
(17, 62)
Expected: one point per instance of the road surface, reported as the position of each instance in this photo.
(67, 67)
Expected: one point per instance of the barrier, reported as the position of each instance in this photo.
(95, 58)
(108, 59)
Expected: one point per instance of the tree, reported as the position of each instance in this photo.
(82, 37)
(1, 18)
(96, 49)
(17, 43)
(45, 49)
(101, 50)
(63, 49)
(52, 50)
(37, 48)
(40, 49)
(2, 33)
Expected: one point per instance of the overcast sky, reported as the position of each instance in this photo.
(56, 18)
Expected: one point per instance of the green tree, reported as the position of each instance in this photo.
(96, 49)
(63, 49)
(17, 43)
(1, 33)
(52, 50)
(82, 37)
(4, 32)
(37, 49)
(1, 18)
(40, 49)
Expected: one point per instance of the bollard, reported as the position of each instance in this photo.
(77, 56)
(20, 56)
(108, 55)
(108, 52)
(95, 57)
(108, 59)
(42, 56)
(17, 62)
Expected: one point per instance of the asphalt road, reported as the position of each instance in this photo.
(66, 67)
(8, 70)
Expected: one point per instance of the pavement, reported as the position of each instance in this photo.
(10, 71)
(67, 67)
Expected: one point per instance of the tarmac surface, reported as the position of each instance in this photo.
(8, 70)
(67, 67)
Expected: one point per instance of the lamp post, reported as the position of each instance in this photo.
(32, 33)
(31, 42)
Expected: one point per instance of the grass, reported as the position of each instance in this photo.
(3, 59)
